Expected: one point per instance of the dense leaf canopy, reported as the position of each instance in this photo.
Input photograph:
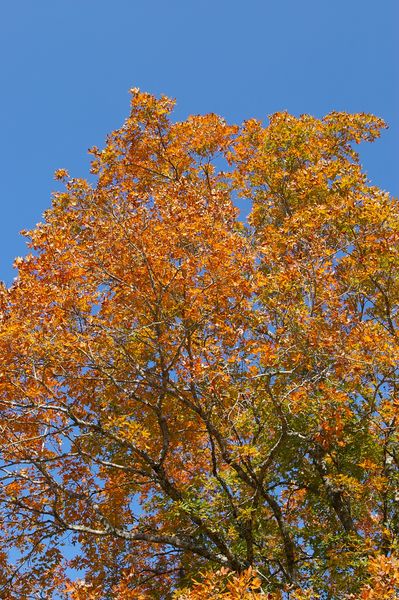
(190, 396)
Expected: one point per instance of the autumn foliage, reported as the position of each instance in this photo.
(197, 404)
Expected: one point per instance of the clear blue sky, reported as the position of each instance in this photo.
(67, 65)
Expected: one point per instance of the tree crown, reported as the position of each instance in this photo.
(185, 392)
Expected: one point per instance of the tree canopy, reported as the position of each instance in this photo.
(195, 404)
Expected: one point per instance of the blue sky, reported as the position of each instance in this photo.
(67, 66)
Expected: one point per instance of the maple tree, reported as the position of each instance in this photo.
(198, 405)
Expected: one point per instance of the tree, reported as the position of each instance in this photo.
(184, 392)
